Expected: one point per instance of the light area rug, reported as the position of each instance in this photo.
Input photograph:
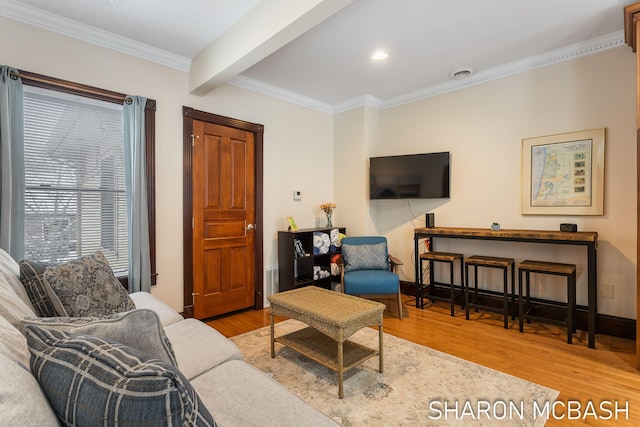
(419, 386)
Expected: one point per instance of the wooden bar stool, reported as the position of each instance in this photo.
(450, 259)
(526, 308)
(477, 302)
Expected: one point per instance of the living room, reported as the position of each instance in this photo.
(327, 152)
(482, 126)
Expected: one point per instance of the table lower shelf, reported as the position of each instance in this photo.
(324, 350)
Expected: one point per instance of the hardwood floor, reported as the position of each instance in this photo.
(541, 354)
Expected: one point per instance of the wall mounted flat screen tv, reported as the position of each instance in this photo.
(413, 176)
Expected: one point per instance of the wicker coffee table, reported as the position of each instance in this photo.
(332, 318)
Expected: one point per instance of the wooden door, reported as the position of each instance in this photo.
(223, 206)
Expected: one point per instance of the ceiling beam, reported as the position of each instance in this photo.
(270, 25)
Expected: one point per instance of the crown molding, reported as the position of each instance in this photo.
(279, 93)
(48, 21)
(549, 58)
(365, 100)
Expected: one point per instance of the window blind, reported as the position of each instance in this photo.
(75, 200)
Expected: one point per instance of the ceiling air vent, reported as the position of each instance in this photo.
(461, 73)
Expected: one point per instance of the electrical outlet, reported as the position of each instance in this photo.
(606, 291)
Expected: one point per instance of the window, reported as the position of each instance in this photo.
(75, 200)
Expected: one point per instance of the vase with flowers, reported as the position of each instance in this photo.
(328, 209)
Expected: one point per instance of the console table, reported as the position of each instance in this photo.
(589, 239)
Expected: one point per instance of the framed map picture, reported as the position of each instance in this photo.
(564, 174)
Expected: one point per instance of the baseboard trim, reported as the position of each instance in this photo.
(608, 325)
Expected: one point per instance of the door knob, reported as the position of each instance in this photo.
(250, 226)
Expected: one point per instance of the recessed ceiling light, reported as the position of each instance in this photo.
(379, 55)
(461, 73)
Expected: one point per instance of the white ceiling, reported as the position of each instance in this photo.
(330, 65)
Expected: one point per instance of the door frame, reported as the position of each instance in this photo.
(632, 38)
(188, 116)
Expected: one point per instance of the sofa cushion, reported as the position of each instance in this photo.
(365, 257)
(12, 307)
(11, 271)
(241, 395)
(139, 329)
(22, 402)
(145, 300)
(45, 302)
(199, 347)
(92, 381)
(13, 344)
(87, 287)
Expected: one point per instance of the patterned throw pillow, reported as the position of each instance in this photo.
(140, 329)
(92, 381)
(365, 257)
(43, 299)
(87, 287)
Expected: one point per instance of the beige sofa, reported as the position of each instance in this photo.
(234, 392)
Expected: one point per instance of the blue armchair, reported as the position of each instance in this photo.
(366, 269)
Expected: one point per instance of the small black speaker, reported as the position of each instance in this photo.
(569, 227)
(430, 220)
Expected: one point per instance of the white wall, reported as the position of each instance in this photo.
(483, 126)
(298, 151)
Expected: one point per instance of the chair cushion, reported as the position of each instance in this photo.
(371, 282)
(92, 381)
(365, 257)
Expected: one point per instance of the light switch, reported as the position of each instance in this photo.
(297, 195)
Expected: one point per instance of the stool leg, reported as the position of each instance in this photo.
(573, 288)
(432, 278)
(462, 280)
(475, 285)
(528, 290)
(451, 289)
(520, 298)
(513, 291)
(506, 300)
(420, 295)
(569, 315)
(571, 308)
(466, 292)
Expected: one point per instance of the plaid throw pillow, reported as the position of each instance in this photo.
(44, 300)
(365, 257)
(92, 381)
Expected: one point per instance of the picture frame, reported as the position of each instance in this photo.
(292, 224)
(563, 174)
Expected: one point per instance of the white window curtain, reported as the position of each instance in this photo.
(135, 174)
(11, 163)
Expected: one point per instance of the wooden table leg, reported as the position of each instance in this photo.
(273, 349)
(340, 370)
(380, 349)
